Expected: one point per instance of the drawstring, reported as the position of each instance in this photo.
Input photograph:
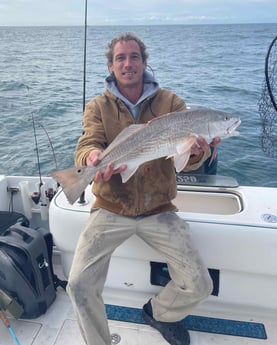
(150, 106)
(117, 102)
(118, 108)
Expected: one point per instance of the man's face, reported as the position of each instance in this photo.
(127, 64)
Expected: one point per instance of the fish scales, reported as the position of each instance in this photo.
(152, 140)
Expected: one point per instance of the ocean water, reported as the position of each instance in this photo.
(41, 77)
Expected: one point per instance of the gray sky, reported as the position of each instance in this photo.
(138, 12)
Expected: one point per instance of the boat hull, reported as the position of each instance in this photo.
(231, 232)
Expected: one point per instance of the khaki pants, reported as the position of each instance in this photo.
(168, 234)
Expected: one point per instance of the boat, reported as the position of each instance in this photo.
(234, 228)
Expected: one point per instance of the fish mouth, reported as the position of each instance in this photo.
(232, 128)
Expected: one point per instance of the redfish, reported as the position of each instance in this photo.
(170, 136)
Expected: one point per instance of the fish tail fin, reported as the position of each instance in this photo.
(73, 181)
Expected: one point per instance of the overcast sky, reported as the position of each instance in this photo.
(136, 12)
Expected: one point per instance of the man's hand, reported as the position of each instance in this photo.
(93, 159)
(215, 142)
(202, 146)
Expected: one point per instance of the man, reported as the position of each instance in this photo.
(140, 206)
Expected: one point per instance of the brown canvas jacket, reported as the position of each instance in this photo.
(151, 189)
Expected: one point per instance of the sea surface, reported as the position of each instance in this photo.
(41, 78)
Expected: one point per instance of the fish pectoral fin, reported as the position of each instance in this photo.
(186, 144)
(181, 160)
(128, 173)
(182, 156)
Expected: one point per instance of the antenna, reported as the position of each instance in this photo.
(85, 56)
(82, 196)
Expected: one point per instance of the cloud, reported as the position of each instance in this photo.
(71, 12)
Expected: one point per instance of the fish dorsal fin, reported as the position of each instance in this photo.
(158, 118)
(123, 135)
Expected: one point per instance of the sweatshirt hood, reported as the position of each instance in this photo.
(150, 86)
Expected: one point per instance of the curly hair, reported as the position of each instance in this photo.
(129, 36)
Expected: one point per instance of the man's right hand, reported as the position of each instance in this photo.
(93, 159)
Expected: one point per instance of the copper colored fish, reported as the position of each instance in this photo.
(171, 135)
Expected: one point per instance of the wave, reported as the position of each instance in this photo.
(12, 85)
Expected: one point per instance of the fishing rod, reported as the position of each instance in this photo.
(50, 143)
(6, 322)
(35, 137)
(36, 196)
(82, 200)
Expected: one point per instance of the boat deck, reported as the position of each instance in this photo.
(245, 280)
(59, 327)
